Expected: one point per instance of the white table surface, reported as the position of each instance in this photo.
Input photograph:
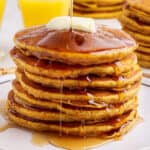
(18, 139)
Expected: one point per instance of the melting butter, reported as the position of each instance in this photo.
(67, 23)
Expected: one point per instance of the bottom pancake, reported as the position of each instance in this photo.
(112, 128)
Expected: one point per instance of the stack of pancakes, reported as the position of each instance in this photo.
(75, 82)
(136, 21)
(98, 8)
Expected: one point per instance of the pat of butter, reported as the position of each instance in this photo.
(78, 23)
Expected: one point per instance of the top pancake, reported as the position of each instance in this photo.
(76, 47)
(143, 5)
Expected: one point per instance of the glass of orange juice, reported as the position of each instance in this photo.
(38, 12)
(2, 6)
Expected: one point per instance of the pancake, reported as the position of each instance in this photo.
(125, 79)
(95, 5)
(100, 2)
(43, 103)
(138, 36)
(144, 59)
(78, 129)
(137, 15)
(59, 70)
(63, 94)
(49, 104)
(136, 21)
(75, 82)
(104, 46)
(144, 63)
(97, 15)
(144, 49)
(98, 9)
(68, 113)
(135, 25)
(142, 5)
(86, 4)
(77, 7)
(143, 56)
(143, 44)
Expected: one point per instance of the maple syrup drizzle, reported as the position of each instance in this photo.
(7, 126)
(4, 122)
(67, 142)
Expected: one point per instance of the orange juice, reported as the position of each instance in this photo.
(38, 12)
(2, 5)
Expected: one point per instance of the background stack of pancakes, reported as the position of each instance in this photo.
(136, 21)
(98, 8)
(75, 82)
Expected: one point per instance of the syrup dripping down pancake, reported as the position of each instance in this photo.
(60, 70)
